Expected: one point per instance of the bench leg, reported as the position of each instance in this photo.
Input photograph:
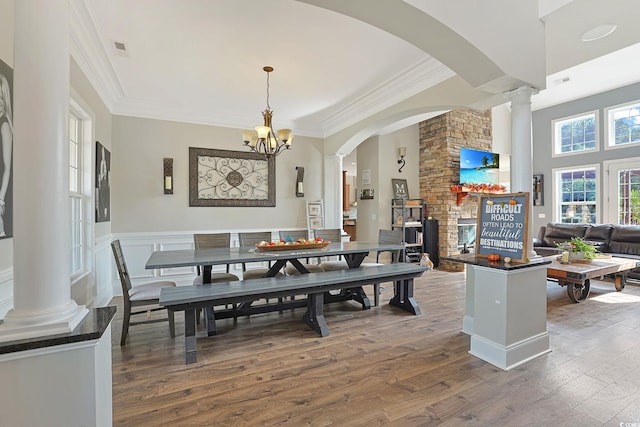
(356, 294)
(190, 336)
(211, 321)
(314, 317)
(403, 297)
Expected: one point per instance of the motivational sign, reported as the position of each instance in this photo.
(502, 226)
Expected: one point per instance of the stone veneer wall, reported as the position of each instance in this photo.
(440, 140)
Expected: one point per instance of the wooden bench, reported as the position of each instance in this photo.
(315, 286)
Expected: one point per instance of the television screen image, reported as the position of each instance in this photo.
(479, 167)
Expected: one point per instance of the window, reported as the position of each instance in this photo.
(75, 180)
(80, 189)
(623, 125)
(575, 134)
(576, 194)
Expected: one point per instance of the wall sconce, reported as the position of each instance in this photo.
(401, 161)
(299, 179)
(168, 176)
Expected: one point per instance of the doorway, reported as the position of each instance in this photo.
(622, 181)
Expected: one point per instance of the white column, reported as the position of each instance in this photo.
(333, 191)
(42, 303)
(522, 151)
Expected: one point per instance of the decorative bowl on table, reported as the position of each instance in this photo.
(292, 246)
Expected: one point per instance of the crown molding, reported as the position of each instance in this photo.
(90, 54)
(143, 109)
(406, 83)
(92, 57)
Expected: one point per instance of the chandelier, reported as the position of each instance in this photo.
(263, 140)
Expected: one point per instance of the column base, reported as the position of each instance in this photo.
(467, 325)
(511, 356)
(63, 320)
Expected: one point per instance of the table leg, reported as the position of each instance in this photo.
(298, 265)
(190, 336)
(314, 317)
(206, 274)
(277, 266)
(210, 321)
(403, 296)
(354, 260)
(359, 295)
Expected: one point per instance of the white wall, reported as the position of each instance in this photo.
(138, 201)
(501, 142)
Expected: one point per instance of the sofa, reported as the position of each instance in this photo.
(617, 240)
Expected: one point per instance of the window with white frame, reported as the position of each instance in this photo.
(576, 134)
(80, 187)
(576, 194)
(623, 125)
(75, 192)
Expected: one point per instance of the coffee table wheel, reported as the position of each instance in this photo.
(620, 282)
(578, 292)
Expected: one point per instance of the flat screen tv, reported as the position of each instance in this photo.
(479, 167)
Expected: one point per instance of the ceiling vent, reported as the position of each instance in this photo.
(120, 48)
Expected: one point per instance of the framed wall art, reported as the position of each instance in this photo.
(400, 190)
(231, 178)
(315, 208)
(6, 145)
(103, 183)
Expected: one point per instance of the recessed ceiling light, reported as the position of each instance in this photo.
(598, 32)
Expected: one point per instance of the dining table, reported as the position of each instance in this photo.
(352, 252)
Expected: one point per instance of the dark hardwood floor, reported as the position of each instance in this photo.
(385, 367)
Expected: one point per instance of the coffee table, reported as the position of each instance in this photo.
(576, 276)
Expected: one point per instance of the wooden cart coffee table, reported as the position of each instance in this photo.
(576, 276)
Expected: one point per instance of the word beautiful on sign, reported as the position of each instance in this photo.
(502, 226)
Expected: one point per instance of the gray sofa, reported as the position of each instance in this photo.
(617, 240)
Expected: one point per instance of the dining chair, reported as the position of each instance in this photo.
(213, 240)
(290, 270)
(147, 294)
(332, 235)
(247, 240)
(393, 237)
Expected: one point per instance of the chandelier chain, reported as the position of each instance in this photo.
(268, 106)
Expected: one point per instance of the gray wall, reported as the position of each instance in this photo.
(139, 204)
(543, 162)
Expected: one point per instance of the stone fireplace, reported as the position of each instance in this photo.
(440, 140)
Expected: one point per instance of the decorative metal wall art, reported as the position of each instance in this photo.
(231, 178)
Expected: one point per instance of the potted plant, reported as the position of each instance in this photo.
(578, 249)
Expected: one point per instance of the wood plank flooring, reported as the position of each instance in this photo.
(385, 367)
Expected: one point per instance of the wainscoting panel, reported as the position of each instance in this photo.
(103, 265)
(174, 246)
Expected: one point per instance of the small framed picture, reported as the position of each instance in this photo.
(400, 190)
(316, 223)
(315, 209)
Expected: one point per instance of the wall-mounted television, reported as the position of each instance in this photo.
(479, 167)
